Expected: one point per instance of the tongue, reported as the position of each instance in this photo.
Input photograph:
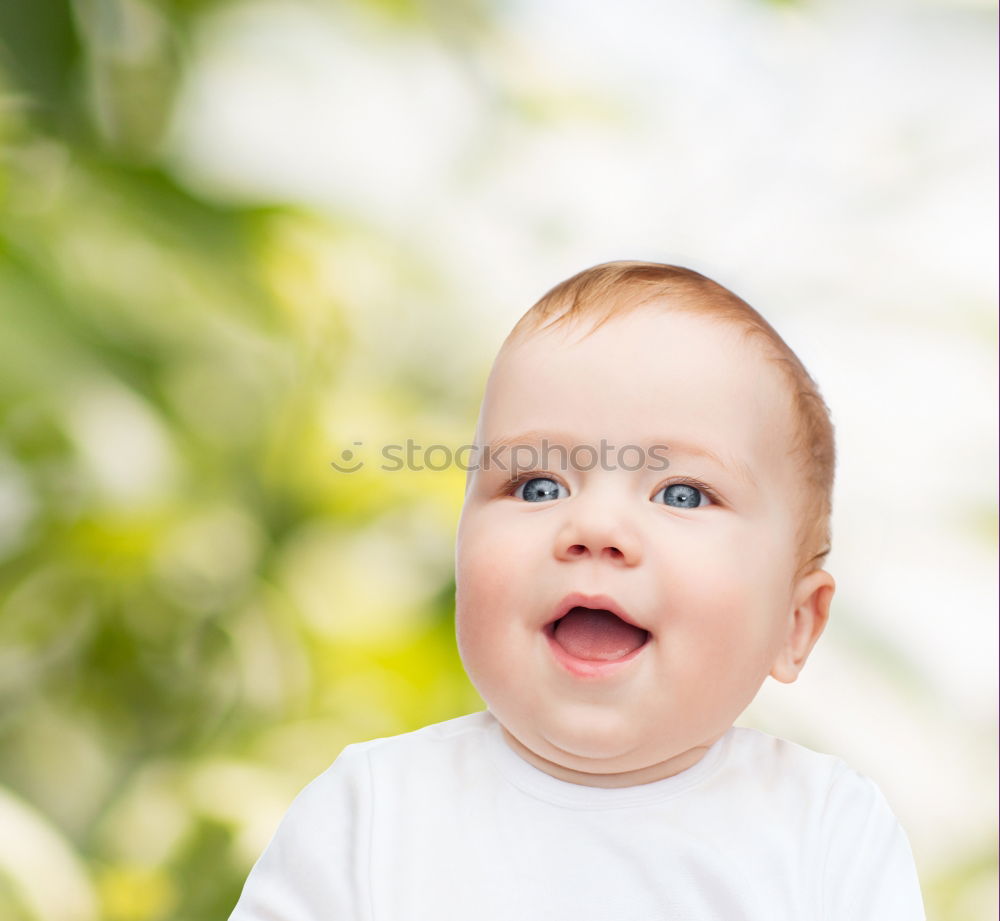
(590, 634)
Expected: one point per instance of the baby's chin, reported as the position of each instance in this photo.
(630, 770)
(606, 752)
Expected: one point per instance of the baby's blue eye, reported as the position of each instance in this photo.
(682, 495)
(540, 489)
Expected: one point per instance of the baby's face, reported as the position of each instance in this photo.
(617, 620)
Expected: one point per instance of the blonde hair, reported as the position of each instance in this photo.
(613, 289)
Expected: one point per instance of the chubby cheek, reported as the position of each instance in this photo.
(727, 613)
(484, 601)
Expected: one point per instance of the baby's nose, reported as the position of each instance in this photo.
(591, 535)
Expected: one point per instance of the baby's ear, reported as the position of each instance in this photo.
(809, 614)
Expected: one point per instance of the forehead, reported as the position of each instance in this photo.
(651, 375)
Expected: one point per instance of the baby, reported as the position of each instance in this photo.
(640, 547)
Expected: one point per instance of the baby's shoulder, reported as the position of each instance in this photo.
(462, 730)
(793, 772)
(427, 749)
(776, 755)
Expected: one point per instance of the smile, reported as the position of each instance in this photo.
(591, 635)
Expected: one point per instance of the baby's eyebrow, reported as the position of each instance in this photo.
(531, 437)
(733, 464)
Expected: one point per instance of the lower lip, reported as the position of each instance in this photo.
(590, 668)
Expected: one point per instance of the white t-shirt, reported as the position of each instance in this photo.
(449, 824)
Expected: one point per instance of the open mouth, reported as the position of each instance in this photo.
(596, 634)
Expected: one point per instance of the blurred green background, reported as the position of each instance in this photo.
(207, 295)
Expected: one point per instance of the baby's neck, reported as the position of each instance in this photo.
(648, 774)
